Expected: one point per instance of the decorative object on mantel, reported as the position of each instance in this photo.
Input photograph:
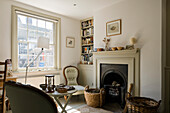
(114, 48)
(132, 43)
(117, 48)
(99, 49)
(70, 42)
(106, 41)
(113, 28)
(120, 48)
(129, 47)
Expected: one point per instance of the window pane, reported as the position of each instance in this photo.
(49, 34)
(22, 61)
(22, 48)
(22, 34)
(22, 21)
(32, 23)
(33, 49)
(49, 31)
(49, 25)
(41, 24)
(32, 35)
(50, 61)
(49, 51)
(41, 34)
(42, 61)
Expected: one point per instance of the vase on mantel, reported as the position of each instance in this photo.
(106, 41)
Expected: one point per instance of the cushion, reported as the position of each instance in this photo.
(79, 88)
(71, 74)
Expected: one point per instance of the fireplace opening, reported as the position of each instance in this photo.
(113, 78)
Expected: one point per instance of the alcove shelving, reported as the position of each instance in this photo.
(87, 32)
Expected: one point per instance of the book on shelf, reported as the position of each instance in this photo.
(84, 32)
(90, 29)
(91, 22)
(91, 47)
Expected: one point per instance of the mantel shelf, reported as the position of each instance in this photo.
(117, 52)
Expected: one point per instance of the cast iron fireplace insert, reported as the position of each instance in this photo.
(114, 78)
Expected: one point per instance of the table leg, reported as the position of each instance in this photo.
(63, 108)
(67, 100)
(59, 103)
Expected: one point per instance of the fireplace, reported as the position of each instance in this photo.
(114, 78)
(123, 66)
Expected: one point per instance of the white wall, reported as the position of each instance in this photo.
(69, 27)
(142, 19)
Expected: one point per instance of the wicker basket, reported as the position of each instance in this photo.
(94, 97)
(142, 105)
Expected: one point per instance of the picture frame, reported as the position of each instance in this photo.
(113, 28)
(70, 42)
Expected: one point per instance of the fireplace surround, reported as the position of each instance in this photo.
(131, 58)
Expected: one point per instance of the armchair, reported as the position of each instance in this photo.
(28, 99)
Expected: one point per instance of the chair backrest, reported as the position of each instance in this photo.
(71, 74)
(28, 99)
(4, 72)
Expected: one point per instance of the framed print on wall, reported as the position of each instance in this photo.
(113, 28)
(70, 42)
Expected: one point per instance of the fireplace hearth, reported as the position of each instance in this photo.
(114, 78)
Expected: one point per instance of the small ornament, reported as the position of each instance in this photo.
(106, 41)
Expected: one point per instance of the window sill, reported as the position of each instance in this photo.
(36, 74)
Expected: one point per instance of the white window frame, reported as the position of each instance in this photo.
(57, 49)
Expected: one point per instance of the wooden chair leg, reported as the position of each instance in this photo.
(65, 97)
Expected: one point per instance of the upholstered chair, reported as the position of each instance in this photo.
(71, 74)
(28, 99)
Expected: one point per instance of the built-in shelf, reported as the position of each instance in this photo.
(87, 27)
(87, 30)
(87, 45)
(85, 53)
(87, 36)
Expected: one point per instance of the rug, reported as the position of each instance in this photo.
(88, 109)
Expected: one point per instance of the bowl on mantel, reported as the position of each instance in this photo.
(120, 48)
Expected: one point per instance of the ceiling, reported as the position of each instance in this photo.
(83, 8)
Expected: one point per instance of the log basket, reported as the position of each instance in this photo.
(142, 105)
(94, 97)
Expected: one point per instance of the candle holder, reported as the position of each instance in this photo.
(49, 82)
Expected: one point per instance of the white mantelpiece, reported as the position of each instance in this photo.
(130, 57)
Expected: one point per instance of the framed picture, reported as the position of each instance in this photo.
(70, 42)
(113, 28)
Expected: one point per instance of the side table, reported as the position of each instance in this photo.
(56, 95)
